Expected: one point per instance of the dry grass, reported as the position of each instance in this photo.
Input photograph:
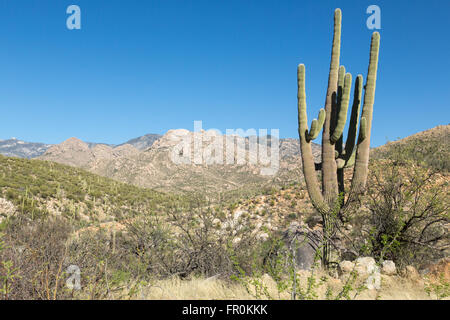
(195, 289)
(392, 288)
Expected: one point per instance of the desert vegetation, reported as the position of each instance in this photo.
(241, 249)
(373, 228)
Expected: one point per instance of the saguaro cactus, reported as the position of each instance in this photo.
(329, 199)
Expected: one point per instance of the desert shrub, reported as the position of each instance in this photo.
(104, 265)
(189, 240)
(37, 251)
(407, 213)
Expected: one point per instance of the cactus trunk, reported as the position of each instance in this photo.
(329, 174)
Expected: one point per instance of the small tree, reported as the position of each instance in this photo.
(409, 213)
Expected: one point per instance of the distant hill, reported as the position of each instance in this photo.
(143, 142)
(29, 150)
(22, 149)
(77, 153)
(37, 188)
(430, 147)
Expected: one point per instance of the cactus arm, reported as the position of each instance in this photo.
(341, 78)
(309, 171)
(339, 141)
(343, 107)
(354, 119)
(346, 163)
(337, 103)
(363, 148)
(316, 126)
(363, 129)
(351, 161)
(329, 169)
(340, 163)
(340, 86)
(313, 131)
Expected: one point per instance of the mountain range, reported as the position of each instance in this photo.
(14, 147)
(22, 149)
(147, 161)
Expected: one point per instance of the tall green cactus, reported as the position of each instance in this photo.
(332, 119)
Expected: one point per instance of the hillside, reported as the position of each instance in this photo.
(38, 188)
(430, 147)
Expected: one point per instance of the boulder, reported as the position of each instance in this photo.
(346, 266)
(305, 242)
(366, 266)
(373, 282)
(388, 268)
(411, 273)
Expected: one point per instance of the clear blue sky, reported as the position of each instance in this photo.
(140, 67)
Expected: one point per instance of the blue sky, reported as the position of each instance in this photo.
(140, 67)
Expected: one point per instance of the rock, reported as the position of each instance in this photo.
(262, 236)
(374, 280)
(237, 215)
(304, 256)
(346, 266)
(411, 273)
(306, 243)
(388, 268)
(365, 265)
(7, 208)
(348, 255)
